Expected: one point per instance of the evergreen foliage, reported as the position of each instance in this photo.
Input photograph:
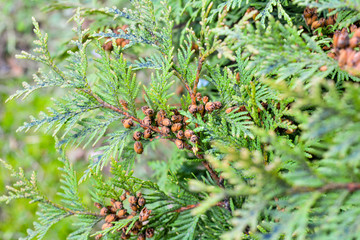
(273, 151)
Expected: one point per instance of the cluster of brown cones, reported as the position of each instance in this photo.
(173, 126)
(116, 212)
(311, 18)
(108, 45)
(344, 49)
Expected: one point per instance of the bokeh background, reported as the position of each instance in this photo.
(33, 151)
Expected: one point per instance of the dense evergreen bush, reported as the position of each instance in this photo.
(259, 99)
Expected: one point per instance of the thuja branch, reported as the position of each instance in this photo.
(211, 171)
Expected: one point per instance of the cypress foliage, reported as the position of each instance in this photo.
(265, 131)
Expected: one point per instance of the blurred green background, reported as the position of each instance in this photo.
(33, 151)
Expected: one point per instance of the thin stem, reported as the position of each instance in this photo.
(219, 180)
(351, 187)
(206, 164)
(212, 173)
(109, 106)
(188, 207)
(192, 206)
(70, 211)
(197, 78)
(182, 80)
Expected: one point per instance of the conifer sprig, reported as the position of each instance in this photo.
(49, 212)
(265, 107)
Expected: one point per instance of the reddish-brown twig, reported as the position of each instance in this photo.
(211, 171)
(188, 207)
(197, 78)
(183, 81)
(206, 164)
(351, 187)
(70, 211)
(109, 106)
(192, 206)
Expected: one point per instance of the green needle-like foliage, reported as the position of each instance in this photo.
(247, 116)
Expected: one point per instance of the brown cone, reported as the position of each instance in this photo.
(138, 147)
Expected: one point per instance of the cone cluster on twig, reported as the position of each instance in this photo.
(116, 212)
(345, 49)
(345, 44)
(312, 20)
(173, 125)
